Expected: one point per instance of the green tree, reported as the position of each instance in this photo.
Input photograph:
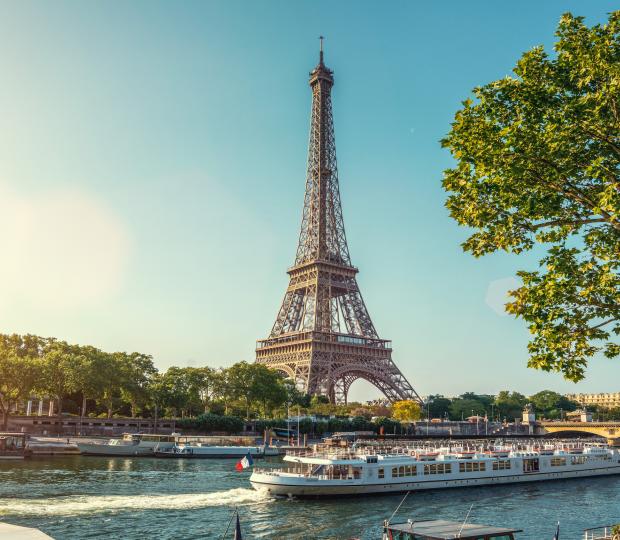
(239, 384)
(538, 157)
(510, 404)
(548, 403)
(255, 385)
(136, 373)
(89, 376)
(174, 391)
(110, 377)
(19, 369)
(203, 384)
(438, 406)
(464, 408)
(60, 365)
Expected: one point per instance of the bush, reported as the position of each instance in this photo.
(262, 425)
(212, 422)
(388, 425)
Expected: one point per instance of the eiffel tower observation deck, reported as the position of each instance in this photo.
(323, 337)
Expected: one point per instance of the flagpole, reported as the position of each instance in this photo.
(229, 522)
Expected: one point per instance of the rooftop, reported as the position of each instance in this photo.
(447, 530)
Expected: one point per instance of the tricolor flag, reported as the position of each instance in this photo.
(246, 462)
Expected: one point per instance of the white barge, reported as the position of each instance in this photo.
(205, 451)
(132, 444)
(335, 471)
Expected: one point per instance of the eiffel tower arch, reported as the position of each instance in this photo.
(323, 337)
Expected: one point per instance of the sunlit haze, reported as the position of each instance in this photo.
(152, 168)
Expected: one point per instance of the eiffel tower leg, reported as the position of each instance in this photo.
(341, 389)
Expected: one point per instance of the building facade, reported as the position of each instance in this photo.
(603, 400)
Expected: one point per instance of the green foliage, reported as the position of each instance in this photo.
(549, 404)
(388, 424)
(463, 408)
(120, 381)
(19, 367)
(208, 423)
(438, 406)
(538, 162)
(510, 405)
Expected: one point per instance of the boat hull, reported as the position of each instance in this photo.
(302, 487)
(220, 452)
(113, 450)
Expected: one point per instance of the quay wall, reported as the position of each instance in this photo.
(74, 425)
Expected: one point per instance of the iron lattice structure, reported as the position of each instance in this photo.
(323, 337)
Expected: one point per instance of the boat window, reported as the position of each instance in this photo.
(558, 461)
(402, 471)
(578, 460)
(438, 468)
(531, 465)
(472, 466)
(501, 465)
(381, 472)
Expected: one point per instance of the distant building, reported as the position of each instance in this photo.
(580, 415)
(605, 401)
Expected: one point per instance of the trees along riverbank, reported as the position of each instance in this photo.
(82, 379)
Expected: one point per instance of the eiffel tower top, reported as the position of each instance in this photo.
(322, 236)
(321, 72)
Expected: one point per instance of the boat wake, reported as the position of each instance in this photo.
(89, 504)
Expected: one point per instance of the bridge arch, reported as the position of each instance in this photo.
(608, 430)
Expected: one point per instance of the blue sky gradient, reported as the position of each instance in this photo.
(152, 168)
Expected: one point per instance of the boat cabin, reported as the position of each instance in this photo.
(438, 529)
(13, 445)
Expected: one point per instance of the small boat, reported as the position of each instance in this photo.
(13, 446)
(204, 451)
(439, 529)
(131, 444)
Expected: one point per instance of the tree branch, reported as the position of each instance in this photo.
(555, 222)
(603, 323)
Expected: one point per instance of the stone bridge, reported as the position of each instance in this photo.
(609, 430)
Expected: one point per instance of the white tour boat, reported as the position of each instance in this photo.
(355, 471)
(131, 444)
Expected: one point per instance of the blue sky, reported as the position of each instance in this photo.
(152, 165)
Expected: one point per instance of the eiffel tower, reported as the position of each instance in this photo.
(323, 337)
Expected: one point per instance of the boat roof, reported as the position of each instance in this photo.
(439, 529)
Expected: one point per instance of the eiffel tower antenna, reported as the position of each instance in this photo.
(323, 337)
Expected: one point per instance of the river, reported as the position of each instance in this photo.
(146, 498)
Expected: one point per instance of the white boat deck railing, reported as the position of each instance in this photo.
(600, 533)
(301, 474)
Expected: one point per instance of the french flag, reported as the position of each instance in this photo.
(246, 462)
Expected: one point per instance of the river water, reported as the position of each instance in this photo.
(147, 498)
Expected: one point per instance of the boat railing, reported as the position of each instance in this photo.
(600, 533)
(294, 471)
